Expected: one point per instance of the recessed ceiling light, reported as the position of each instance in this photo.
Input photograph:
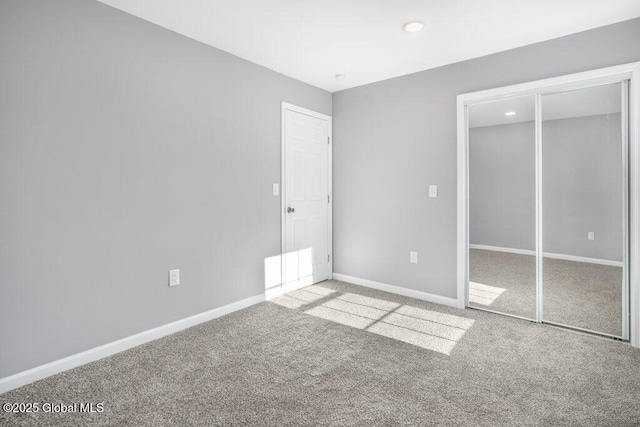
(510, 113)
(339, 76)
(413, 27)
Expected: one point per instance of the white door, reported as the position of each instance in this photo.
(306, 199)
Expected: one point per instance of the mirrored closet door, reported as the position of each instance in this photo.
(548, 207)
(584, 208)
(502, 206)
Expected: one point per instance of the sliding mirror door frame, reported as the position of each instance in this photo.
(597, 317)
(546, 283)
(502, 206)
(627, 72)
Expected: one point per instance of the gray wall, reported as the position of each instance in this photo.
(127, 150)
(502, 186)
(582, 186)
(394, 138)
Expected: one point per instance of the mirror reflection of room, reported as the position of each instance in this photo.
(502, 208)
(582, 217)
(581, 208)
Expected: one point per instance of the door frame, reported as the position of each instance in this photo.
(613, 74)
(283, 187)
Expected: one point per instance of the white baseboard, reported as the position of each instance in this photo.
(583, 259)
(549, 255)
(499, 249)
(73, 361)
(425, 296)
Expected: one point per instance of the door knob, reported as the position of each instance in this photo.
(290, 210)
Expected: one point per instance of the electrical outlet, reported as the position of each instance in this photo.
(591, 235)
(413, 257)
(174, 277)
(433, 191)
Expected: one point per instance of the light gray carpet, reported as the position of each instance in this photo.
(574, 293)
(513, 272)
(275, 365)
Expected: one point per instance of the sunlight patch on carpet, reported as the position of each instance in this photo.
(484, 294)
(427, 329)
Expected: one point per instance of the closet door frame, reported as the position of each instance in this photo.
(616, 74)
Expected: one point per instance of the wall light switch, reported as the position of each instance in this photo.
(413, 257)
(591, 235)
(433, 191)
(174, 277)
(276, 189)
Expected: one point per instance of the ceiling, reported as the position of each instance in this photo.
(313, 40)
(605, 99)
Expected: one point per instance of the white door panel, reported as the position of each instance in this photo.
(306, 200)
